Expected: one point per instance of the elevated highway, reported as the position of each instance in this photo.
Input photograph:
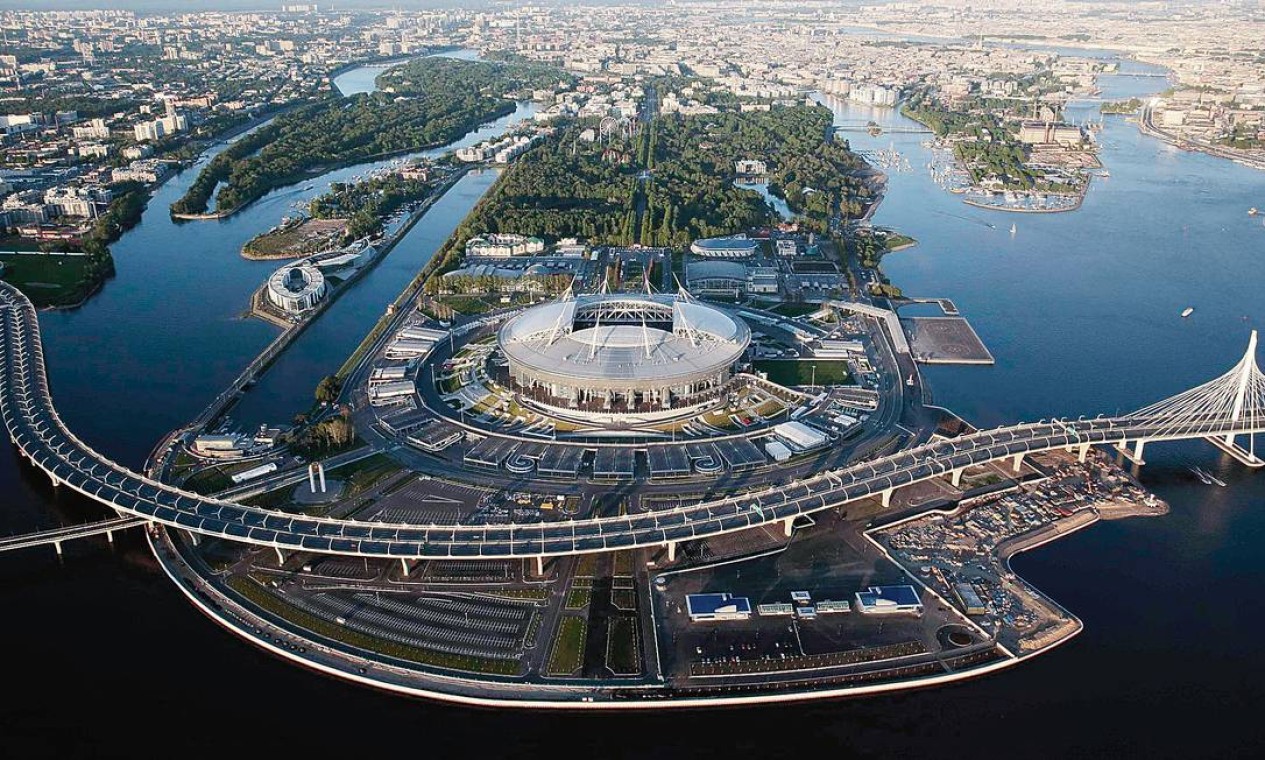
(1229, 406)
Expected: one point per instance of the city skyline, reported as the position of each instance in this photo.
(876, 369)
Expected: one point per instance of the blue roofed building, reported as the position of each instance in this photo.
(717, 607)
(889, 600)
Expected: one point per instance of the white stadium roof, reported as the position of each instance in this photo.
(624, 340)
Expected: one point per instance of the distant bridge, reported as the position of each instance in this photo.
(906, 130)
(1219, 411)
(57, 536)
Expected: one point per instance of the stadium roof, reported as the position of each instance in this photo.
(626, 340)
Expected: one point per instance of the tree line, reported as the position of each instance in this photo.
(422, 104)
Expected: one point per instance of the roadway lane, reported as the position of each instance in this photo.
(35, 428)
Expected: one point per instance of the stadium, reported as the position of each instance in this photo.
(622, 352)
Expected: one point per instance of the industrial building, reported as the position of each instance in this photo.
(800, 437)
(889, 600)
(704, 607)
(730, 278)
(1050, 133)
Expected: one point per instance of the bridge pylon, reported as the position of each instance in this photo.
(1219, 411)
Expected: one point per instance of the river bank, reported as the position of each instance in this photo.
(1146, 125)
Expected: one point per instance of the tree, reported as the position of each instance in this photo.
(328, 389)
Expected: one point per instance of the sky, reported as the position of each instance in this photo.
(142, 6)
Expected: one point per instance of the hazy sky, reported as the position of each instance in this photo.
(234, 5)
(245, 5)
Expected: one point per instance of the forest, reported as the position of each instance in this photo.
(427, 102)
(679, 173)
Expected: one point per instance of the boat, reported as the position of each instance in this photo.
(1253, 211)
(1204, 477)
(1186, 312)
(1215, 480)
(1013, 229)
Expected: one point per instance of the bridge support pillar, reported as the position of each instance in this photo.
(1238, 453)
(1083, 453)
(404, 567)
(1017, 462)
(671, 551)
(1137, 452)
(109, 536)
(887, 497)
(788, 526)
(281, 557)
(57, 546)
(540, 566)
(955, 477)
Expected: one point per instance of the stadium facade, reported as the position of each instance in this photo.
(296, 287)
(613, 352)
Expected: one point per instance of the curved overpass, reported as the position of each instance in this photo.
(1231, 405)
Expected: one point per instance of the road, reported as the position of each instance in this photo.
(34, 426)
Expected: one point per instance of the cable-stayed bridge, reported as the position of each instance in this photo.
(1220, 411)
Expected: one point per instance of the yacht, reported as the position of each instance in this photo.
(1186, 312)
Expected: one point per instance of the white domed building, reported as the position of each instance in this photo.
(296, 288)
(610, 352)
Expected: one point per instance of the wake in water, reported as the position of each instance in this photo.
(971, 219)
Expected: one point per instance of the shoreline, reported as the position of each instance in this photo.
(318, 171)
(1147, 127)
(238, 619)
(1080, 195)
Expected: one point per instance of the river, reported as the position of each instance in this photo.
(1080, 309)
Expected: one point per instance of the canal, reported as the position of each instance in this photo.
(177, 307)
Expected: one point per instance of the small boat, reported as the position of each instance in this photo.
(1186, 312)
(1253, 211)
(1204, 477)
(1013, 229)
(1215, 480)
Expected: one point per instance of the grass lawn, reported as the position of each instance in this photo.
(796, 309)
(48, 279)
(364, 474)
(309, 236)
(624, 563)
(217, 477)
(539, 594)
(586, 566)
(568, 647)
(624, 598)
(784, 372)
(578, 598)
(622, 655)
(275, 499)
(895, 240)
(466, 304)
